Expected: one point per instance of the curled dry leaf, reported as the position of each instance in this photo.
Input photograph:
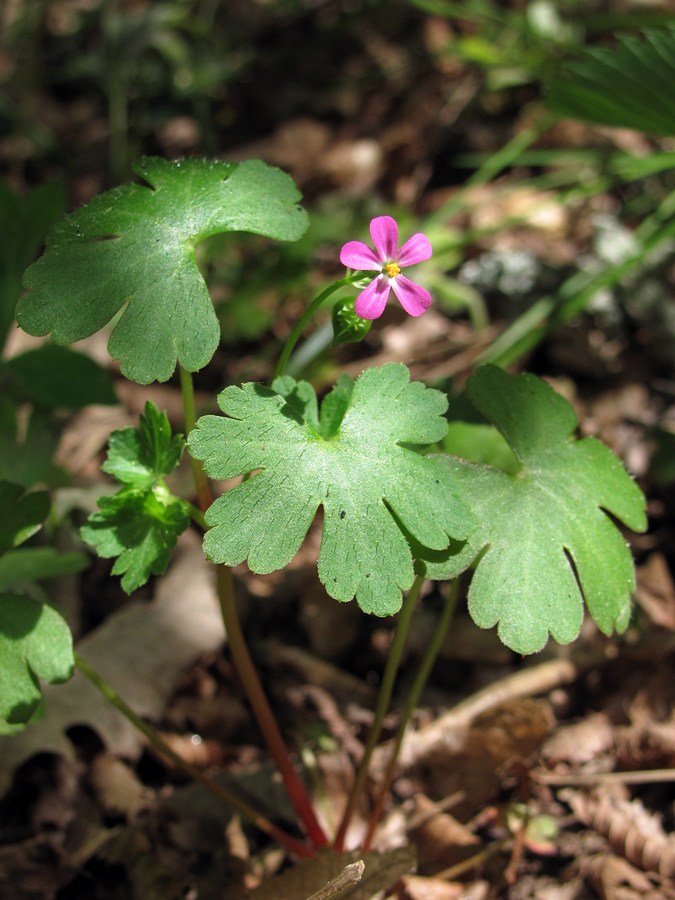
(630, 829)
(614, 878)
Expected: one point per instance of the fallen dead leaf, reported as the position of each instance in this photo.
(656, 592)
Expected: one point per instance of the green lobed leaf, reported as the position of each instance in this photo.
(544, 541)
(35, 642)
(629, 85)
(141, 523)
(59, 377)
(134, 248)
(371, 487)
(22, 514)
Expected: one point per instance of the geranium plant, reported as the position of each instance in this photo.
(536, 534)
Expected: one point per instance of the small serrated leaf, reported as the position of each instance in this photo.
(140, 243)
(139, 457)
(35, 642)
(141, 523)
(140, 528)
(544, 541)
(364, 478)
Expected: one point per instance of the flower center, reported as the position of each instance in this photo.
(392, 269)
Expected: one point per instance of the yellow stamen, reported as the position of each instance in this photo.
(392, 269)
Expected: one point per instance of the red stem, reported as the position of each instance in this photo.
(263, 712)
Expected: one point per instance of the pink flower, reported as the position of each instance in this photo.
(388, 260)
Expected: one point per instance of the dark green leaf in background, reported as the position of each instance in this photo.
(24, 222)
(629, 85)
(59, 377)
(22, 514)
(29, 564)
(27, 459)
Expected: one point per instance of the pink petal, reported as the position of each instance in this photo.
(417, 249)
(384, 232)
(356, 255)
(413, 298)
(371, 302)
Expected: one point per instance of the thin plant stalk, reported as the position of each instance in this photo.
(202, 487)
(155, 740)
(241, 656)
(261, 709)
(305, 318)
(412, 702)
(383, 701)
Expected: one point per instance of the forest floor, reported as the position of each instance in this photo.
(543, 777)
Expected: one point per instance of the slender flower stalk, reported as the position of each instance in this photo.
(411, 704)
(263, 711)
(383, 701)
(202, 486)
(306, 317)
(240, 652)
(156, 741)
(389, 260)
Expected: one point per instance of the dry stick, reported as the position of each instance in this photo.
(241, 655)
(446, 734)
(466, 865)
(381, 708)
(644, 776)
(343, 884)
(243, 808)
(411, 704)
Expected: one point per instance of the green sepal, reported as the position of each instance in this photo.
(348, 327)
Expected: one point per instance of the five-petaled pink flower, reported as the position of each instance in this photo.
(388, 260)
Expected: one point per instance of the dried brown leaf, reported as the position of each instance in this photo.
(580, 742)
(656, 591)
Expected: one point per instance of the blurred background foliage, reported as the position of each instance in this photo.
(446, 114)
